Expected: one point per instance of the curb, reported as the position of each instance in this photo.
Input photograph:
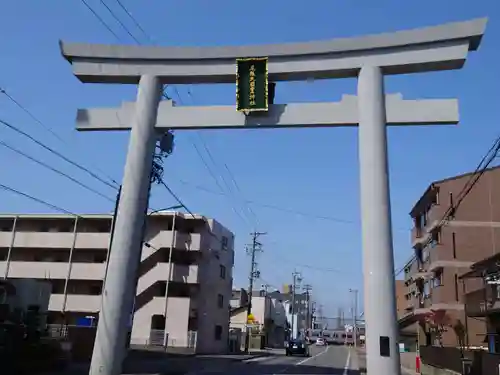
(409, 371)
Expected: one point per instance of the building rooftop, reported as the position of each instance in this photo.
(436, 183)
(42, 216)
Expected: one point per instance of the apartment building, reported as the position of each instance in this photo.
(444, 250)
(401, 301)
(71, 252)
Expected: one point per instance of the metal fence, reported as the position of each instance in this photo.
(156, 338)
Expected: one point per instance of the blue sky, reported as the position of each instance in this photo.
(311, 171)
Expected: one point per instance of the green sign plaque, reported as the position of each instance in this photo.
(252, 84)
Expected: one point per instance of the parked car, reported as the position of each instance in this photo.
(297, 347)
(320, 341)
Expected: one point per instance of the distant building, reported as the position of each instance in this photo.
(268, 311)
(71, 254)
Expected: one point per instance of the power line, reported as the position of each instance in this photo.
(30, 114)
(43, 202)
(236, 185)
(483, 166)
(278, 208)
(38, 200)
(181, 203)
(100, 19)
(19, 152)
(475, 176)
(45, 126)
(212, 174)
(58, 154)
(133, 19)
(178, 95)
(117, 19)
(176, 198)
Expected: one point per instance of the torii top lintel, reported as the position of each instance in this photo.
(442, 47)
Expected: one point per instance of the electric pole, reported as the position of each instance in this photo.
(313, 315)
(339, 318)
(320, 317)
(355, 315)
(297, 278)
(255, 247)
(307, 289)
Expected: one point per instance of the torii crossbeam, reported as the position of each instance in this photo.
(301, 115)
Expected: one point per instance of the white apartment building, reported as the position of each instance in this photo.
(71, 252)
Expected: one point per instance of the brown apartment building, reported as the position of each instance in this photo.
(445, 250)
(401, 302)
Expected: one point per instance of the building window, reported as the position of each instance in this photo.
(224, 242)
(220, 301)
(222, 272)
(418, 222)
(454, 245)
(436, 238)
(218, 333)
(427, 290)
(100, 258)
(437, 279)
(95, 290)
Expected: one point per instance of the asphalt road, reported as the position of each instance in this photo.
(331, 360)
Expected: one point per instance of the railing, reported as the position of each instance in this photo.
(478, 303)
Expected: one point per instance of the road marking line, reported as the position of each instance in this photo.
(348, 362)
(303, 361)
(314, 356)
(257, 359)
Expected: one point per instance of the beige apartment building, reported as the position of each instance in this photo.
(71, 251)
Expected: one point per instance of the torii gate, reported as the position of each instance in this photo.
(368, 58)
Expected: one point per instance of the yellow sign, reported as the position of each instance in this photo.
(250, 318)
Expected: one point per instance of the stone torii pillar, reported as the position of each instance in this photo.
(369, 58)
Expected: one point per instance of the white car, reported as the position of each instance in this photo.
(320, 341)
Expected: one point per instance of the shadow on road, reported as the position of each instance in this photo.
(158, 362)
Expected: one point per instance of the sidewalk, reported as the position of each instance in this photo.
(361, 361)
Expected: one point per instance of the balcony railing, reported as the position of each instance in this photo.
(482, 302)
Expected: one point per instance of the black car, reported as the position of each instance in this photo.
(297, 347)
